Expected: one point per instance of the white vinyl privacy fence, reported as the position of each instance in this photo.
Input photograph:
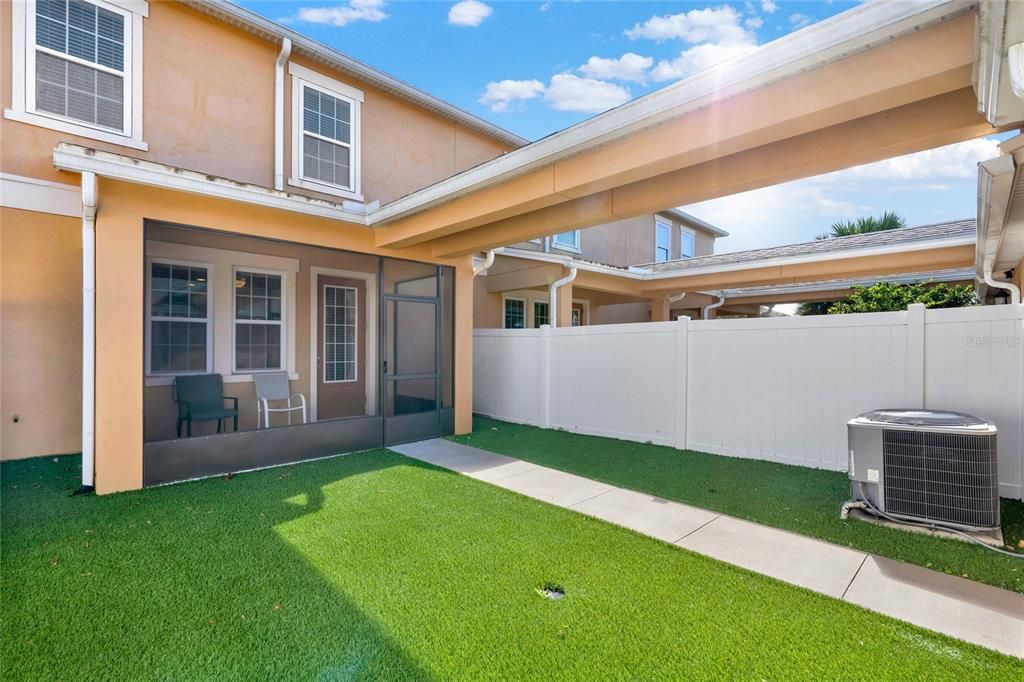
(778, 389)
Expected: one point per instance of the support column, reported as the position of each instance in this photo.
(660, 309)
(120, 290)
(564, 294)
(464, 345)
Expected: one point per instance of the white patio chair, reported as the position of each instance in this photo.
(273, 387)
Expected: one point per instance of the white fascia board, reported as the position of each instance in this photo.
(79, 159)
(819, 44)
(41, 196)
(261, 26)
(642, 274)
(995, 184)
(866, 252)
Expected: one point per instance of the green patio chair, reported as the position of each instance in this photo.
(201, 398)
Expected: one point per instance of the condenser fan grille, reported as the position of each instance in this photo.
(941, 477)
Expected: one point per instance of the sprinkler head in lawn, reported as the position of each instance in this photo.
(551, 591)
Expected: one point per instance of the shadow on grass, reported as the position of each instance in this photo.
(189, 581)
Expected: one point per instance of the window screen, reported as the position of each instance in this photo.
(686, 244)
(540, 313)
(340, 315)
(179, 315)
(80, 62)
(326, 138)
(258, 321)
(662, 241)
(515, 313)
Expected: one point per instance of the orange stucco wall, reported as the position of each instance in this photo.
(40, 334)
(208, 105)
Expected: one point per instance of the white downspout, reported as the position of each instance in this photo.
(553, 297)
(88, 332)
(706, 312)
(488, 262)
(1008, 286)
(282, 59)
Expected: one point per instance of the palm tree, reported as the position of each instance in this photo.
(890, 220)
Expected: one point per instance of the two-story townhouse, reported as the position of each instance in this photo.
(650, 238)
(203, 176)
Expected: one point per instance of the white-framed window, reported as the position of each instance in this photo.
(662, 240)
(77, 67)
(541, 313)
(341, 318)
(325, 134)
(259, 335)
(687, 243)
(513, 313)
(567, 240)
(179, 333)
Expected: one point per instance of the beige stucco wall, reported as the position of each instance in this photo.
(208, 97)
(40, 334)
(629, 241)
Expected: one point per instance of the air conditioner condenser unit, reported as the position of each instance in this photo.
(922, 465)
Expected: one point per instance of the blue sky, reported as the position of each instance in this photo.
(538, 67)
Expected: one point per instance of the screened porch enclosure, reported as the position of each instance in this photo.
(261, 352)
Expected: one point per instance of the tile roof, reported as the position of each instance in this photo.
(957, 229)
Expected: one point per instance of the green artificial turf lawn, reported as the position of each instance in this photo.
(373, 566)
(796, 498)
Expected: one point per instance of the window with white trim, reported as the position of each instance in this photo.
(179, 318)
(687, 243)
(541, 314)
(340, 317)
(567, 240)
(515, 313)
(74, 63)
(662, 240)
(325, 139)
(259, 321)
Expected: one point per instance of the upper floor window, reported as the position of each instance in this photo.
(687, 243)
(75, 65)
(325, 134)
(662, 240)
(567, 240)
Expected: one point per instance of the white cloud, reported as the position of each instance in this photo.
(342, 15)
(469, 13)
(958, 160)
(711, 24)
(545, 6)
(754, 23)
(508, 94)
(796, 211)
(769, 6)
(568, 92)
(799, 20)
(629, 67)
(696, 59)
(715, 33)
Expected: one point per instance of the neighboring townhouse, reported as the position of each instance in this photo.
(662, 236)
(239, 145)
(738, 284)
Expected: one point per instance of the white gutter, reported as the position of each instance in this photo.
(553, 297)
(706, 310)
(488, 262)
(677, 297)
(995, 183)
(89, 195)
(282, 59)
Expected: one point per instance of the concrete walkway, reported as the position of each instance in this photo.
(964, 609)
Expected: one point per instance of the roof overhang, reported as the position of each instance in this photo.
(797, 291)
(694, 221)
(78, 159)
